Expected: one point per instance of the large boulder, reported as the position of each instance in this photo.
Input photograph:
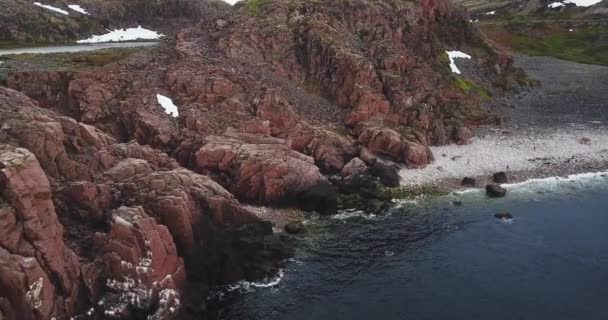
(354, 166)
(266, 171)
(495, 191)
(499, 177)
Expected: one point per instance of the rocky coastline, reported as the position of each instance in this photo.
(112, 208)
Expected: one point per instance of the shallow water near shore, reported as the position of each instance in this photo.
(431, 259)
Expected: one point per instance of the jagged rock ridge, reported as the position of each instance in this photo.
(272, 100)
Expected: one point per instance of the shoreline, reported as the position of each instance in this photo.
(523, 156)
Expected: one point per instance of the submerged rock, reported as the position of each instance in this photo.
(495, 191)
(294, 227)
(503, 215)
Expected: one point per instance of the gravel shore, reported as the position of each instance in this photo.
(557, 129)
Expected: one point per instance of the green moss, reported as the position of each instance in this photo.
(404, 192)
(470, 87)
(254, 7)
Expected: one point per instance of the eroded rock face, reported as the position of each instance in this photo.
(98, 226)
(266, 171)
(39, 275)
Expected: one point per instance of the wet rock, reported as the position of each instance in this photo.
(457, 203)
(388, 142)
(355, 166)
(468, 182)
(294, 227)
(387, 171)
(499, 177)
(495, 191)
(503, 215)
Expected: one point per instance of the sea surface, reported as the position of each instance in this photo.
(433, 259)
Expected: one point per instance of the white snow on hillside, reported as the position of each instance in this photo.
(231, 2)
(118, 35)
(583, 3)
(51, 8)
(456, 54)
(78, 8)
(491, 13)
(168, 105)
(555, 5)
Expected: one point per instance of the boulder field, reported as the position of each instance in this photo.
(111, 208)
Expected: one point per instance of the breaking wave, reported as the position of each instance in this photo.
(250, 286)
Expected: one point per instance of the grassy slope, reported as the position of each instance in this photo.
(586, 43)
(74, 61)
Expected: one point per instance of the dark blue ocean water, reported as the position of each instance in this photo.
(435, 260)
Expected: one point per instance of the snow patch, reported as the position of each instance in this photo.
(491, 13)
(555, 5)
(46, 6)
(583, 3)
(130, 34)
(168, 105)
(456, 54)
(78, 9)
(231, 2)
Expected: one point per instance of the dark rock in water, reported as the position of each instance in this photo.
(294, 227)
(503, 215)
(388, 172)
(499, 177)
(495, 191)
(457, 203)
(468, 182)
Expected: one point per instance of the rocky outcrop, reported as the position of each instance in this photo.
(39, 275)
(270, 105)
(355, 166)
(111, 228)
(266, 171)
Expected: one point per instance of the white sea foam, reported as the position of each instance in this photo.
(250, 286)
(556, 180)
(506, 220)
(405, 202)
(352, 213)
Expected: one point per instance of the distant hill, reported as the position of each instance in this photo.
(53, 21)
